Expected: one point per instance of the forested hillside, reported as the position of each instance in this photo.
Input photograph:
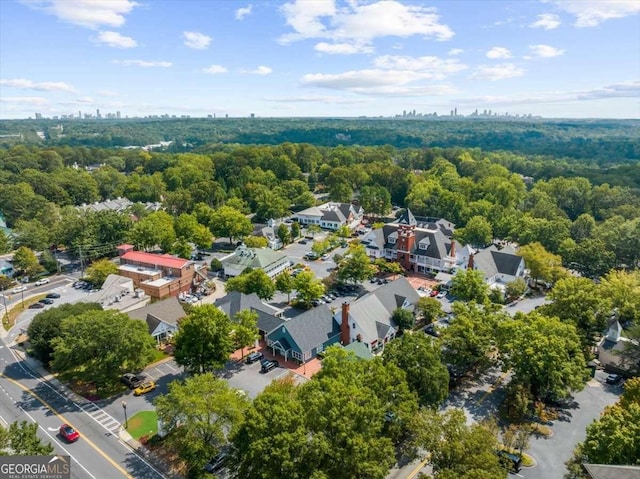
(606, 141)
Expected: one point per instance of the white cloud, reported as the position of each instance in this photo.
(455, 51)
(243, 12)
(261, 70)
(85, 100)
(333, 100)
(548, 21)
(215, 69)
(27, 100)
(24, 84)
(377, 82)
(497, 72)
(360, 23)
(430, 67)
(593, 12)
(545, 51)
(143, 63)
(343, 48)
(86, 13)
(115, 40)
(196, 40)
(107, 93)
(498, 53)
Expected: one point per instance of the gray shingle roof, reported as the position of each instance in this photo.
(407, 218)
(312, 328)
(168, 311)
(605, 471)
(491, 261)
(236, 301)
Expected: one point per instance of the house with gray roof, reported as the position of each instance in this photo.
(303, 337)
(269, 318)
(612, 348)
(119, 293)
(271, 262)
(368, 318)
(499, 266)
(331, 215)
(419, 244)
(162, 317)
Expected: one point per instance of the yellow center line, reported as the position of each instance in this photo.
(415, 472)
(63, 420)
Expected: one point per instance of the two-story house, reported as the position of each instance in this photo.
(160, 275)
(419, 245)
(271, 262)
(499, 266)
(331, 215)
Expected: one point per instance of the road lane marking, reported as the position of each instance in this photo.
(493, 387)
(63, 420)
(415, 472)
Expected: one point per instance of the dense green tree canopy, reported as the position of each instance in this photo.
(21, 439)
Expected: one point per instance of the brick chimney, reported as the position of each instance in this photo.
(344, 326)
(470, 265)
(452, 250)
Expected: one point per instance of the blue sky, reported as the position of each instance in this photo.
(554, 58)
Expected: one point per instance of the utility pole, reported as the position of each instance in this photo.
(81, 262)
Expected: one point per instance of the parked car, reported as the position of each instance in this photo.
(512, 462)
(68, 433)
(254, 356)
(303, 241)
(434, 293)
(267, 365)
(216, 463)
(42, 281)
(46, 301)
(53, 295)
(324, 257)
(131, 380)
(19, 289)
(36, 306)
(441, 294)
(613, 379)
(144, 388)
(431, 330)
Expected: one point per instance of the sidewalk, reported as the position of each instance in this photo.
(82, 403)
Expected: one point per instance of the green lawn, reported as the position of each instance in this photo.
(144, 423)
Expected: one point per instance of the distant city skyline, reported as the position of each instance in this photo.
(319, 58)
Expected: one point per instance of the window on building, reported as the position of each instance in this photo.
(423, 246)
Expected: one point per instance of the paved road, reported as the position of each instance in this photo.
(99, 453)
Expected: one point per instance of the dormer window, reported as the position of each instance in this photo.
(423, 246)
(392, 240)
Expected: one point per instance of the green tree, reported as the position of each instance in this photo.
(384, 266)
(21, 439)
(516, 288)
(153, 230)
(254, 281)
(32, 234)
(99, 345)
(46, 326)
(459, 450)
(5, 244)
(245, 329)
(343, 231)
(622, 288)
(182, 248)
(403, 318)
(99, 270)
(284, 234)
(255, 241)
(430, 308)
(216, 264)
(295, 230)
(204, 341)
(231, 223)
(308, 287)
(542, 265)
(477, 232)
(579, 302)
(419, 357)
(469, 285)
(25, 261)
(199, 415)
(544, 353)
(320, 246)
(285, 284)
(356, 266)
(375, 200)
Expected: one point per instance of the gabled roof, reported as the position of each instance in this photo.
(359, 349)
(236, 301)
(164, 260)
(313, 211)
(392, 295)
(312, 328)
(334, 215)
(407, 218)
(605, 471)
(492, 261)
(168, 311)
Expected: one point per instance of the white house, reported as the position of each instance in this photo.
(331, 215)
(271, 262)
(499, 266)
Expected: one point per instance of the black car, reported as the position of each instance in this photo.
(431, 330)
(53, 296)
(131, 380)
(36, 306)
(216, 463)
(511, 462)
(46, 301)
(255, 356)
(268, 365)
(613, 379)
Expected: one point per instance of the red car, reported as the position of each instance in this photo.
(434, 293)
(69, 433)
